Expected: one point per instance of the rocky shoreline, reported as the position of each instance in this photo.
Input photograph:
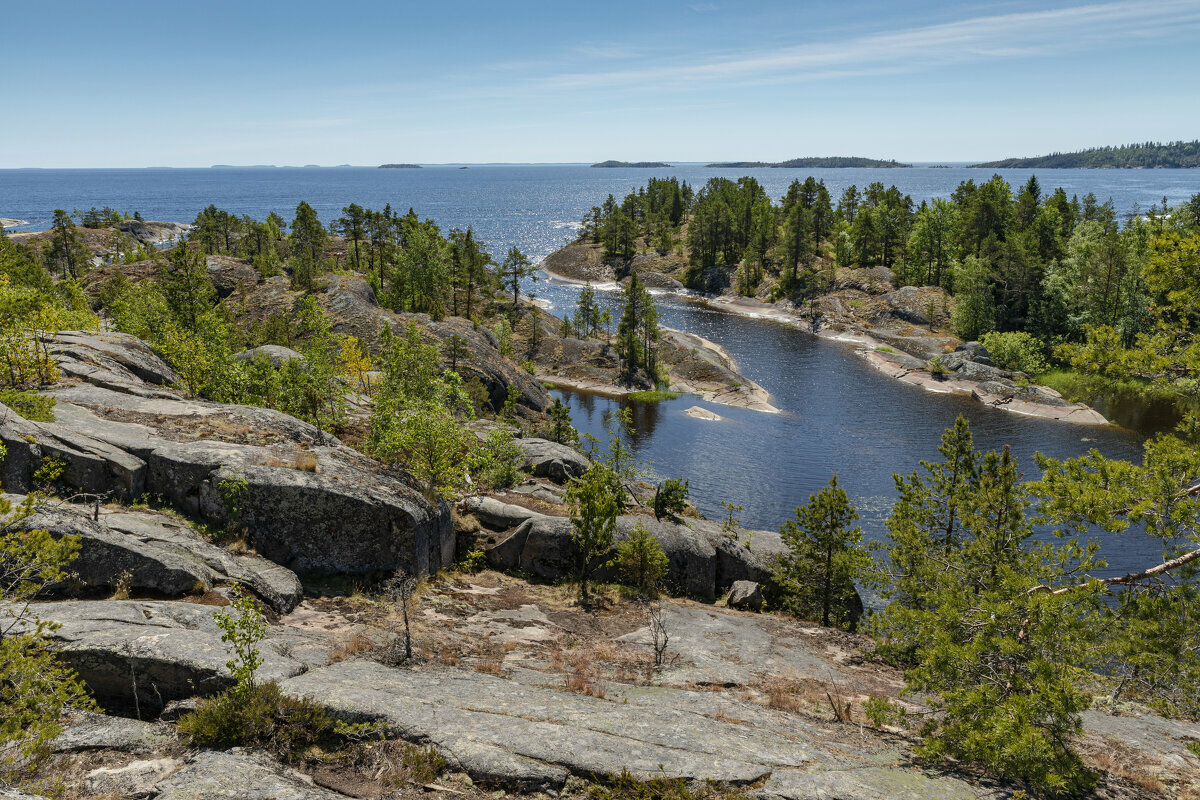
(894, 344)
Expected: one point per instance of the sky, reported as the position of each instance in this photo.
(137, 84)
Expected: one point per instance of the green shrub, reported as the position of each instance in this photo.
(498, 460)
(474, 561)
(261, 716)
(670, 498)
(641, 561)
(628, 787)
(1016, 350)
(33, 406)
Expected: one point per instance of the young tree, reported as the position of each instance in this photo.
(352, 226)
(184, 283)
(641, 561)
(307, 241)
(817, 578)
(35, 688)
(560, 416)
(455, 350)
(514, 268)
(596, 499)
(972, 628)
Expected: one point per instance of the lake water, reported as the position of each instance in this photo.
(838, 414)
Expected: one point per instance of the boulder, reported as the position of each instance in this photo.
(496, 515)
(558, 462)
(975, 351)
(274, 353)
(914, 303)
(228, 274)
(702, 559)
(153, 233)
(745, 595)
(143, 654)
(238, 775)
(137, 779)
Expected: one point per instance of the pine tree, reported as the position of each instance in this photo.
(817, 578)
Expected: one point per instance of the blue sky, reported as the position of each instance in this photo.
(142, 84)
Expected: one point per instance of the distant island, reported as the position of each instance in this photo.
(828, 162)
(633, 164)
(400, 166)
(1148, 155)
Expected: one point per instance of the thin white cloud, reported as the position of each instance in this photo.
(1017, 35)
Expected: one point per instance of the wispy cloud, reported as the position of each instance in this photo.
(1008, 36)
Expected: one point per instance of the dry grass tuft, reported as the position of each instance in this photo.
(353, 645)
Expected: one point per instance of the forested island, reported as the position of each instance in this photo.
(829, 162)
(400, 166)
(290, 500)
(630, 164)
(1148, 155)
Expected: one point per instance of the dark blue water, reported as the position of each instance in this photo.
(838, 413)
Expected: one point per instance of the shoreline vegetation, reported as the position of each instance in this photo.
(974, 294)
(400, 166)
(1147, 155)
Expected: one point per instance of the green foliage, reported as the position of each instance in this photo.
(936, 367)
(732, 518)
(242, 627)
(1016, 350)
(35, 688)
(515, 267)
(670, 498)
(996, 655)
(817, 579)
(654, 396)
(596, 499)
(49, 471)
(497, 462)
(641, 561)
(33, 406)
(637, 332)
(260, 716)
(414, 422)
(560, 417)
(627, 787)
(473, 561)
(882, 712)
(504, 336)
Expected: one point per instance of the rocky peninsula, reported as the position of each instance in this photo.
(888, 326)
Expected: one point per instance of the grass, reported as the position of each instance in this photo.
(653, 396)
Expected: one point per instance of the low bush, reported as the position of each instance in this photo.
(1016, 350)
(261, 716)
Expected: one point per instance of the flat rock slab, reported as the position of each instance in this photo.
(533, 737)
(86, 730)
(716, 647)
(238, 776)
(167, 650)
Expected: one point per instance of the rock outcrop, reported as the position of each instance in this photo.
(510, 734)
(157, 554)
(238, 776)
(143, 654)
(703, 559)
(307, 502)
